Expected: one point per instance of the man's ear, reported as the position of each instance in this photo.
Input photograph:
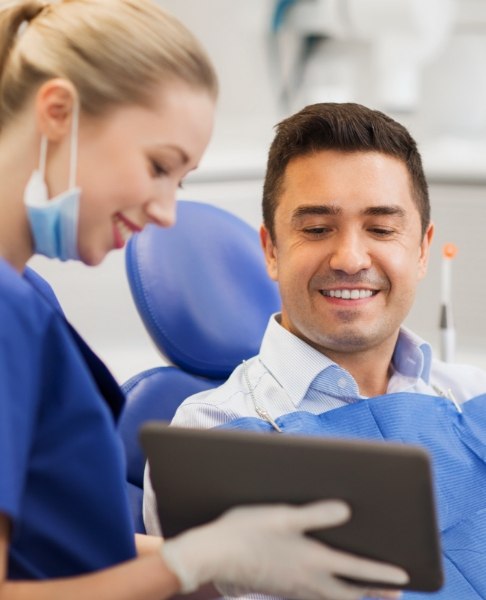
(425, 250)
(270, 251)
(54, 106)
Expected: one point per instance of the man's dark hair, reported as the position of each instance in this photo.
(346, 128)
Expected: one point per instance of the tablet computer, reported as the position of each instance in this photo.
(199, 474)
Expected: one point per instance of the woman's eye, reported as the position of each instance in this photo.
(157, 169)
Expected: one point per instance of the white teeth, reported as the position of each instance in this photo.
(348, 294)
(125, 231)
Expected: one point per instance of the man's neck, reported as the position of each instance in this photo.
(371, 369)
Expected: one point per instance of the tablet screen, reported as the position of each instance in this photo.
(199, 474)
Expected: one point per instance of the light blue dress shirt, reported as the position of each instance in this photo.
(290, 375)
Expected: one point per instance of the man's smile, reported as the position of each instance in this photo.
(349, 294)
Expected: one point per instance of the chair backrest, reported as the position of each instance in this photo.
(202, 291)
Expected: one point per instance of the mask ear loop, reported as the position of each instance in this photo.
(43, 156)
(73, 162)
(73, 158)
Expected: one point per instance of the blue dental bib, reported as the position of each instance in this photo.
(457, 445)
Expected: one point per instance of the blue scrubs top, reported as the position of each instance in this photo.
(62, 470)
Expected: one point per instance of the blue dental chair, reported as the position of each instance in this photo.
(204, 296)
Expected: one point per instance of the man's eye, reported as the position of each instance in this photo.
(316, 231)
(381, 231)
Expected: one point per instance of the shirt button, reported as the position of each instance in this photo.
(342, 383)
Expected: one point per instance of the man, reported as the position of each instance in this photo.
(347, 235)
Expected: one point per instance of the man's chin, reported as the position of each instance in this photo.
(346, 342)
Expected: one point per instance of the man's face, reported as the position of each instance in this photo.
(348, 250)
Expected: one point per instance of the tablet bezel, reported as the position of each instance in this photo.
(198, 474)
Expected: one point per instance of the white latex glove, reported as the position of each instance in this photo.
(264, 549)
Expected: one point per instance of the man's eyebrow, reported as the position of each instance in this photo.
(331, 210)
(315, 209)
(385, 210)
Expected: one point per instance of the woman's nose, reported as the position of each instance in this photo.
(162, 212)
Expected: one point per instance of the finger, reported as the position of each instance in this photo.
(384, 595)
(341, 590)
(355, 567)
(319, 515)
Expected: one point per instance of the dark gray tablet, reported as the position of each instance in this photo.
(198, 474)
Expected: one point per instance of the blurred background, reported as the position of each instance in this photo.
(421, 61)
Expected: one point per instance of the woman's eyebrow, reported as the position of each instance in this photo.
(176, 149)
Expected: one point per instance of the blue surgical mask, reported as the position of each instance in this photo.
(54, 222)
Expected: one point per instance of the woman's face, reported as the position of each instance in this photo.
(131, 163)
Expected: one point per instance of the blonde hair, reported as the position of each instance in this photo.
(113, 51)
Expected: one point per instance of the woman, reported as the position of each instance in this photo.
(105, 106)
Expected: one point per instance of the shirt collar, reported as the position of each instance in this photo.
(412, 356)
(283, 354)
(293, 362)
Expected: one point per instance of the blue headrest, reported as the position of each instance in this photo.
(154, 394)
(202, 289)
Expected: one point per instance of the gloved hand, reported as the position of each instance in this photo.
(264, 549)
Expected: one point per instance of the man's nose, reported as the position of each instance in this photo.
(350, 254)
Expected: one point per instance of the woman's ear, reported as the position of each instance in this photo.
(54, 106)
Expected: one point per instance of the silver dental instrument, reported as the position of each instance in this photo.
(261, 412)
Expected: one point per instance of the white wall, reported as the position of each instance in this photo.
(98, 302)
